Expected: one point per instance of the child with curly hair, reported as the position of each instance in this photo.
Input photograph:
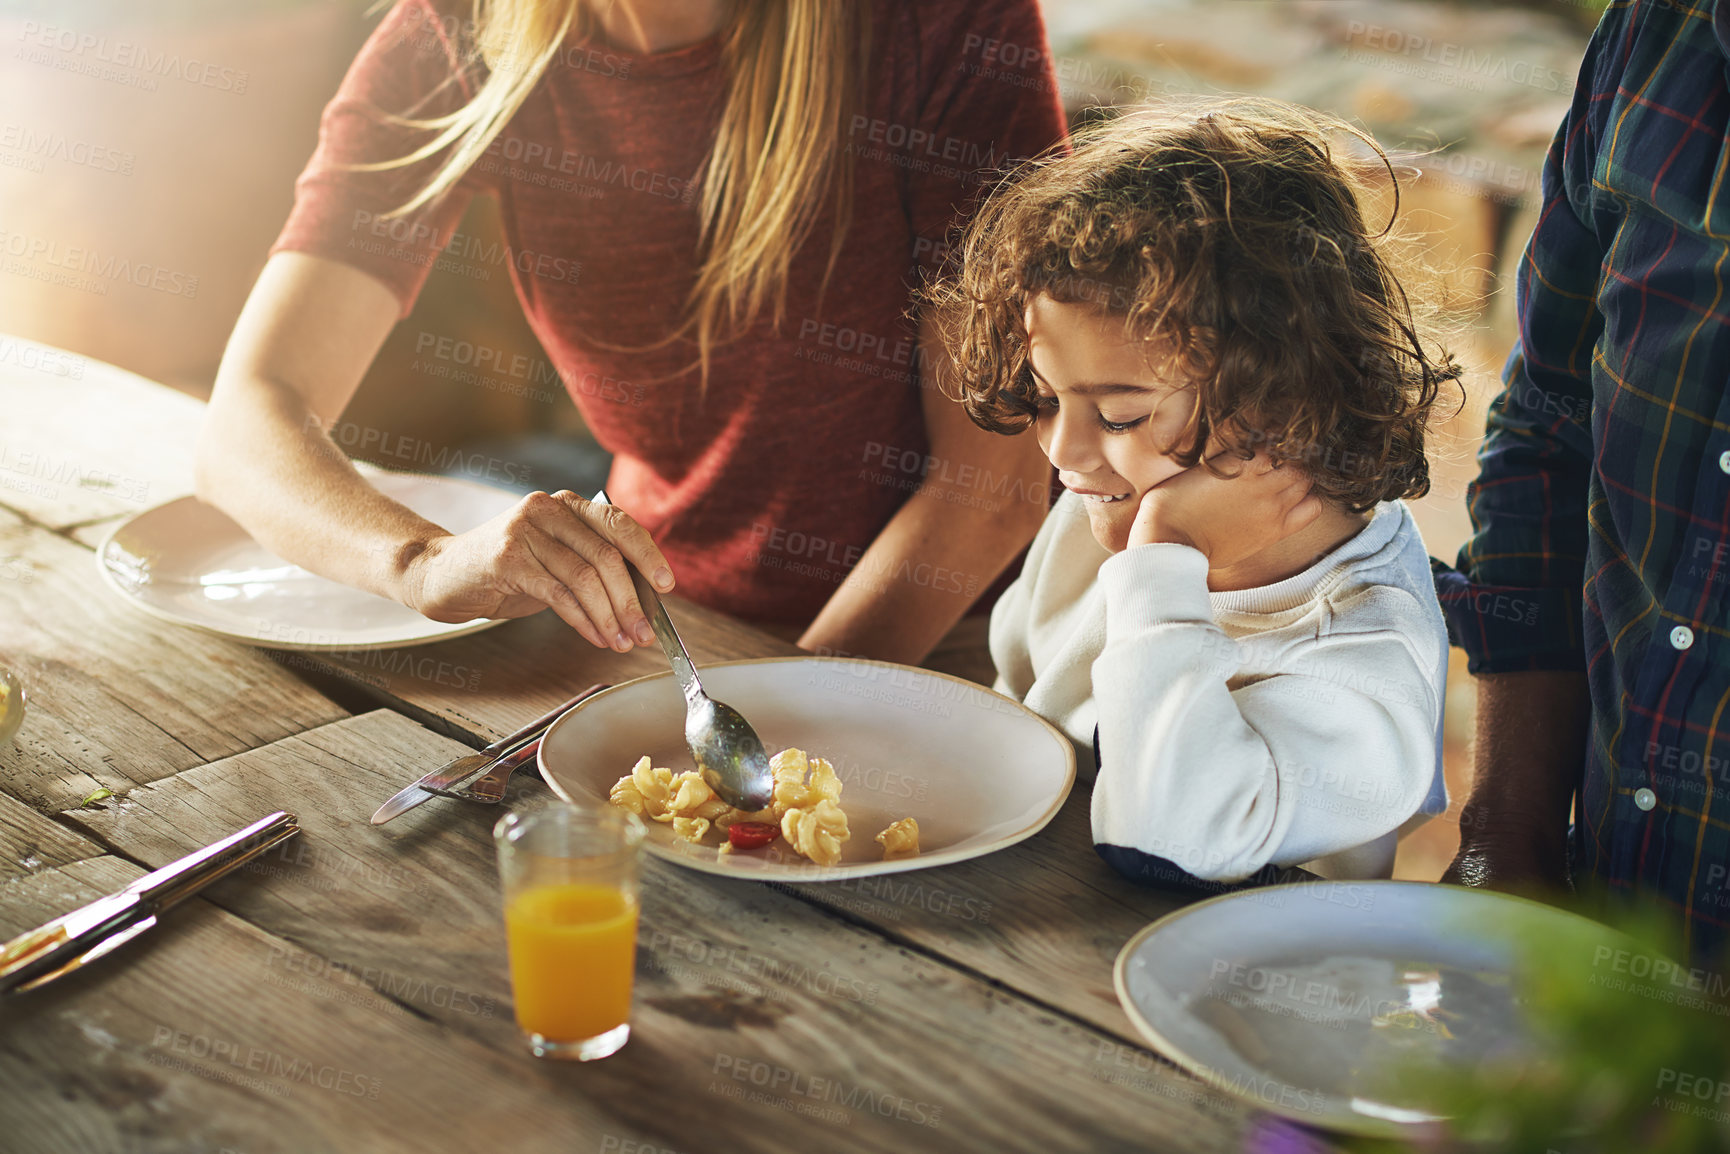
(1230, 601)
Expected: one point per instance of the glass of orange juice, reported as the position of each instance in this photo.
(11, 704)
(570, 887)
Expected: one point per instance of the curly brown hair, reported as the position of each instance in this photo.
(1230, 236)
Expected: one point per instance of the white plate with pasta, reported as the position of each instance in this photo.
(974, 770)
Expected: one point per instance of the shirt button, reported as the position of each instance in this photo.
(1645, 798)
(1681, 637)
(1724, 461)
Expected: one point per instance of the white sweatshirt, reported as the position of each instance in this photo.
(1297, 723)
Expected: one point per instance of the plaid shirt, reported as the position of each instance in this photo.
(1602, 504)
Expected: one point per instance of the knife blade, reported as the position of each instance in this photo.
(441, 778)
(439, 782)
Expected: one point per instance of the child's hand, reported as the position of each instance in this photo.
(1227, 518)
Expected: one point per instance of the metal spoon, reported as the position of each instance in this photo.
(727, 750)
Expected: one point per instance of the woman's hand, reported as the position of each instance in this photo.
(559, 551)
(1227, 518)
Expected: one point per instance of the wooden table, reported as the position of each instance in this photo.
(349, 991)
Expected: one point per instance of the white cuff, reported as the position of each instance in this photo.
(1150, 585)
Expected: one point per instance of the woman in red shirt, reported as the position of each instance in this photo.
(716, 214)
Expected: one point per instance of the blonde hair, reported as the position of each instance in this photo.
(794, 68)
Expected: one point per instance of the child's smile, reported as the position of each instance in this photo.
(1108, 419)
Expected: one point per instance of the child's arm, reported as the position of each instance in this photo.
(1293, 767)
(1329, 756)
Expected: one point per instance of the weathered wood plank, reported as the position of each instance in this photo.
(481, 687)
(85, 440)
(746, 994)
(31, 843)
(116, 697)
(190, 1040)
(1046, 916)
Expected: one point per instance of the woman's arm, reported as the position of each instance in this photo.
(307, 333)
(981, 501)
(305, 337)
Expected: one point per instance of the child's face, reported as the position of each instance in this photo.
(1107, 417)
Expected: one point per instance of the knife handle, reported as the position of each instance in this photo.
(489, 787)
(49, 948)
(107, 945)
(504, 744)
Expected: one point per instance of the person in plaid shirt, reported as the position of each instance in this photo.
(1592, 598)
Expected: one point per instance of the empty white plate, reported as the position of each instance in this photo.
(1315, 1001)
(186, 562)
(977, 770)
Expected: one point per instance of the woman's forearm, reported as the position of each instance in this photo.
(268, 462)
(304, 339)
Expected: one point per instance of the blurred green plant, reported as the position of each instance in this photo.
(1632, 1052)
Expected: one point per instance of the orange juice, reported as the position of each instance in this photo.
(572, 947)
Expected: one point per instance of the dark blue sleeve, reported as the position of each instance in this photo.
(1163, 873)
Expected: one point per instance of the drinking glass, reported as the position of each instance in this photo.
(11, 704)
(570, 888)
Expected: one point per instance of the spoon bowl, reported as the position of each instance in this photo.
(729, 754)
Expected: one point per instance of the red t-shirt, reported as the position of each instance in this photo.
(764, 490)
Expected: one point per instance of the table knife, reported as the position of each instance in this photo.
(441, 780)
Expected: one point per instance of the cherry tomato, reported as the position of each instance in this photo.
(752, 834)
